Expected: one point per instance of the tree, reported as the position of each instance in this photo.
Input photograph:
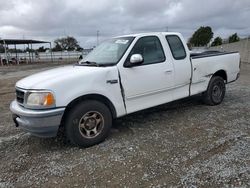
(79, 49)
(67, 43)
(233, 38)
(57, 48)
(202, 36)
(41, 49)
(217, 41)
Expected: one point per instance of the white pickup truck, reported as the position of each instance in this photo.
(122, 75)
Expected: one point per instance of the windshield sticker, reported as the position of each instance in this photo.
(121, 41)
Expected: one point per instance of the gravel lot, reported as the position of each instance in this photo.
(182, 144)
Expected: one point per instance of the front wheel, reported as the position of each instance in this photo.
(215, 92)
(88, 123)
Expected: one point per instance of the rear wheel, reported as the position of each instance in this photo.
(215, 92)
(88, 123)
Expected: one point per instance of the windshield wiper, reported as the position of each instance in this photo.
(89, 63)
(92, 63)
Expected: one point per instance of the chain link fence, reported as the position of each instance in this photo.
(35, 57)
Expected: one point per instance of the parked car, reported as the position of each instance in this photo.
(122, 75)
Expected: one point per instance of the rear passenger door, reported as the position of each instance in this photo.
(182, 66)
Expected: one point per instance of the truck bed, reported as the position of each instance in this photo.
(205, 64)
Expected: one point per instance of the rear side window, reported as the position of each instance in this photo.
(176, 47)
(150, 48)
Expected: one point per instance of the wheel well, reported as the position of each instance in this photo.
(96, 97)
(222, 74)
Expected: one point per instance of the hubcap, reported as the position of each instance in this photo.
(91, 124)
(217, 92)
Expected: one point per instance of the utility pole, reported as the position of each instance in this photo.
(166, 28)
(1, 61)
(97, 37)
(5, 52)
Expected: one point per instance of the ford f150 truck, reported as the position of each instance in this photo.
(122, 75)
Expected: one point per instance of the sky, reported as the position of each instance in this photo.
(51, 19)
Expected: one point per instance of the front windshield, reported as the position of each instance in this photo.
(108, 52)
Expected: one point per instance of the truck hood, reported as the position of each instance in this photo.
(46, 79)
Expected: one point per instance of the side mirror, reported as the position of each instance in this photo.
(136, 59)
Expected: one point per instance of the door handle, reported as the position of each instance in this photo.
(168, 71)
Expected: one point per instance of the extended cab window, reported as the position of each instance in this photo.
(150, 48)
(176, 47)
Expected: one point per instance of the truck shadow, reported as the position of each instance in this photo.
(124, 124)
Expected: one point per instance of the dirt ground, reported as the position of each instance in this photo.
(182, 144)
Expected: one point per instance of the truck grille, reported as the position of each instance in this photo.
(19, 96)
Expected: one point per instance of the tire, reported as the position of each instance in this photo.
(88, 123)
(215, 92)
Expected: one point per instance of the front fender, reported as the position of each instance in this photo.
(92, 85)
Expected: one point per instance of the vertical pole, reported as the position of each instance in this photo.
(24, 53)
(8, 54)
(166, 28)
(1, 56)
(51, 55)
(32, 53)
(5, 52)
(248, 51)
(17, 61)
(29, 52)
(97, 37)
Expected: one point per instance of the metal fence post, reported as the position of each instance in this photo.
(51, 55)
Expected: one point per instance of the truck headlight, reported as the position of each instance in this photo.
(40, 99)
